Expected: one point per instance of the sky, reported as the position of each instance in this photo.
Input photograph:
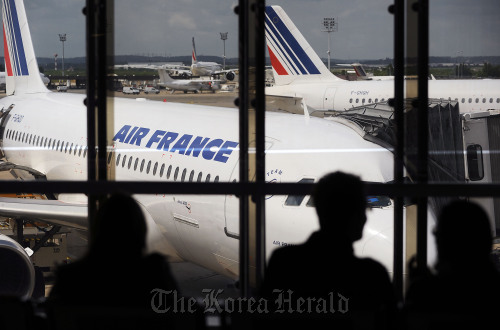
(165, 27)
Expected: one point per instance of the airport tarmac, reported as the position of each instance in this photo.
(191, 279)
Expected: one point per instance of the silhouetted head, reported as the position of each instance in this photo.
(120, 227)
(463, 233)
(340, 203)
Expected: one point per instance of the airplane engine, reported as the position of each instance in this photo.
(230, 76)
(17, 274)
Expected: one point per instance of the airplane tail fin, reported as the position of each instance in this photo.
(164, 75)
(292, 58)
(21, 67)
(194, 60)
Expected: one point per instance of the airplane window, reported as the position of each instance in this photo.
(191, 175)
(296, 200)
(16, 136)
(498, 100)
(66, 148)
(74, 151)
(135, 164)
(350, 100)
(176, 173)
(71, 148)
(382, 100)
(378, 201)
(357, 100)
(199, 177)
(155, 168)
(37, 140)
(130, 161)
(84, 152)
(491, 100)
(183, 177)
(45, 143)
(216, 179)
(80, 151)
(124, 159)
(29, 140)
(363, 101)
(142, 165)
(369, 100)
(169, 171)
(463, 100)
(118, 159)
(208, 178)
(62, 146)
(484, 100)
(477, 100)
(162, 169)
(470, 100)
(376, 100)
(109, 157)
(148, 168)
(58, 143)
(24, 135)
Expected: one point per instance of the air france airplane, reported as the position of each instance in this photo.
(299, 73)
(199, 68)
(44, 133)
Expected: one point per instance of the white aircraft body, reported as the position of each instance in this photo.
(199, 68)
(186, 85)
(300, 74)
(45, 133)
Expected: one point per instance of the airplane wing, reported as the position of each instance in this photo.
(51, 211)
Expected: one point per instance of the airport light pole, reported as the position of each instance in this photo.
(223, 36)
(62, 38)
(330, 26)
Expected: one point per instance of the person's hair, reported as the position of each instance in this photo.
(120, 222)
(463, 232)
(339, 199)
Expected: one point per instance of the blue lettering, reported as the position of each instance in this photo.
(155, 138)
(209, 154)
(120, 136)
(131, 134)
(182, 144)
(139, 135)
(167, 139)
(225, 150)
(196, 146)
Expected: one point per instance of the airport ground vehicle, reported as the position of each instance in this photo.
(62, 88)
(152, 90)
(130, 90)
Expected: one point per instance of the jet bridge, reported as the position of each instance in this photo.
(463, 147)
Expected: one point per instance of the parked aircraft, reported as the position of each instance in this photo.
(199, 68)
(43, 133)
(186, 85)
(300, 75)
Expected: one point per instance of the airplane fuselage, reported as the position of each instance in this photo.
(472, 95)
(181, 142)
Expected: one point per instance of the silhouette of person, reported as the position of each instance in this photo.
(466, 282)
(115, 271)
(325, 265)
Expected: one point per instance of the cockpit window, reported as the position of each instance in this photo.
(378, 201)
(296, 200)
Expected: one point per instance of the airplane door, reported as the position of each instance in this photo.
(328, 98)
(4, 118)
(232, 203)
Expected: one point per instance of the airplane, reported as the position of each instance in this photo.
(186, 85)
(43, 135)
(199, 68)
(300, 75)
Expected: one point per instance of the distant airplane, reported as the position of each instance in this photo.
(301, 76)
(186, 85)
(199, 68)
